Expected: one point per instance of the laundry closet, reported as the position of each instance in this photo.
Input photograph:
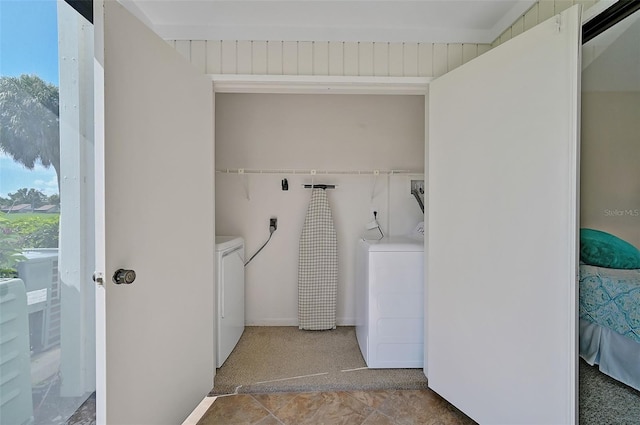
(369, 146)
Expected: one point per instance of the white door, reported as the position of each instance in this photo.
(502, 256)
(154, 149)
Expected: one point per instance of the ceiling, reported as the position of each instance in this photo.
(435, 21)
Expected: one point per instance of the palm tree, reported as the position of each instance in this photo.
(29, 121)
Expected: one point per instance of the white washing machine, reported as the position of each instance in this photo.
(390, 302)
(230, 294)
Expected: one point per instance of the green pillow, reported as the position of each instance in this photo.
(605, 250)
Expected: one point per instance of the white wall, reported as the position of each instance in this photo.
(322, 132)
(610, 171)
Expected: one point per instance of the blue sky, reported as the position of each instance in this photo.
(14, 176)
(28, 45)
(29, 38)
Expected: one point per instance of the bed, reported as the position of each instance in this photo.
(609, 310)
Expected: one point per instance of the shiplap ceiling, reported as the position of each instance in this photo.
(436, 21)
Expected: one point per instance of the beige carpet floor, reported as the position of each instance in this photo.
(286, 359)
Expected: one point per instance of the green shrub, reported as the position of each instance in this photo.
(22, 232)
(10, 253)
(44, 236)
(35, 231)
(8, 273)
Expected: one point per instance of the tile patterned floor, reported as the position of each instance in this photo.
(86, 414)
(386, 407)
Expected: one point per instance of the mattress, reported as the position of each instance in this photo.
(611, 298)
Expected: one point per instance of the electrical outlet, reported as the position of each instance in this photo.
(417, 185)
(273, 222)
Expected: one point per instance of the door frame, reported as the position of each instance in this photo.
(320, 85)
(331, 85)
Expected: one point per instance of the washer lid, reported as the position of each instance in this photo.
(224, 243)
(396, 244)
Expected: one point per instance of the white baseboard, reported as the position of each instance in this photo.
(273, 322)
(346, 321)
(199, 411)
(293, 321)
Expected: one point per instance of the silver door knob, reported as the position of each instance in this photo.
(124, 276)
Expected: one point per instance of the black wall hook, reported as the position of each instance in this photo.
(285, 184)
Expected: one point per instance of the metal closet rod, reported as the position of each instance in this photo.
(315, 172)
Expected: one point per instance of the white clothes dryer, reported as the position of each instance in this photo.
(230, 294)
